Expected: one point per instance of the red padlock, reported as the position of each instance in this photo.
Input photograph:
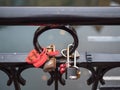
(62, 65)
(32, 56)
(37, 59)
(62, 68)
(40, 61)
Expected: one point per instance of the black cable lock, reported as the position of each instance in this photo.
(68, 29)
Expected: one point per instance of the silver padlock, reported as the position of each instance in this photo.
(72, 72)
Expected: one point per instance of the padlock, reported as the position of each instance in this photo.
(37, 59)
(72, 72)
(62, 68)
(50, 65)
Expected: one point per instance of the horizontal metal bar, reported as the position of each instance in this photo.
(104, 57)
(109, 87)
(60, 15)
(104, 38)
(112, 78)
(12, 57)
(97, 59)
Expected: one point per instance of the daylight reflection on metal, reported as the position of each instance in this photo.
(104, 38)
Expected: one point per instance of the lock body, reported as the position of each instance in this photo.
(71, 73)
(50, 65)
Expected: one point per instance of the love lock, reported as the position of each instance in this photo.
(50, 65)
(72, 72)
(37, 59)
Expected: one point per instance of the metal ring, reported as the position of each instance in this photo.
(42, 29)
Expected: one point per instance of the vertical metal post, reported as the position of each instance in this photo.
(56, 78)
(94, 86)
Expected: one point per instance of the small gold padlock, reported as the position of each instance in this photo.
(50, 65)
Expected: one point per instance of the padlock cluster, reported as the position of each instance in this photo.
(46, 57)
(72, 71)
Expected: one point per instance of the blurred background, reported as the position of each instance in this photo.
(59, 2)
(92, 38)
